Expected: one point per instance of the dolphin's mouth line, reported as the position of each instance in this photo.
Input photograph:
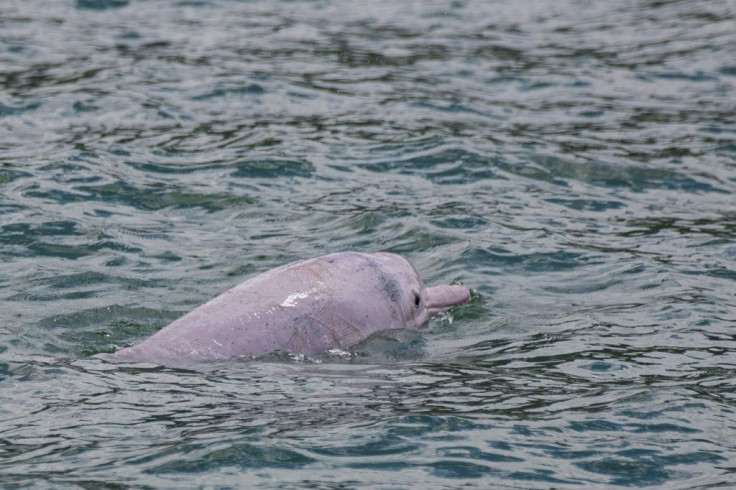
(442, 298)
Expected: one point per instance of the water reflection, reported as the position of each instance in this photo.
(574, 166)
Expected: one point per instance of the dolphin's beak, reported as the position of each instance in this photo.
(442, 298)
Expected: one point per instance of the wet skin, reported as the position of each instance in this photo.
(310, 306)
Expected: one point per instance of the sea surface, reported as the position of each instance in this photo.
(572, 162)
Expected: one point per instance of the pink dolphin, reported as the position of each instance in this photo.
(307, 307)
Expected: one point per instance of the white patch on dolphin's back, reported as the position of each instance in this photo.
(291, 300)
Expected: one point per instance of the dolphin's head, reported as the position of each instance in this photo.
(414, 302)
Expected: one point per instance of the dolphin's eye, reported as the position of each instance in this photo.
(417, 300)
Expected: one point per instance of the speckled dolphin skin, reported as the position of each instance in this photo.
(307, 307)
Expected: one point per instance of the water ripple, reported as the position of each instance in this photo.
(575, 167)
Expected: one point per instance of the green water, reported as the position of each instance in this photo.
(573, 163)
